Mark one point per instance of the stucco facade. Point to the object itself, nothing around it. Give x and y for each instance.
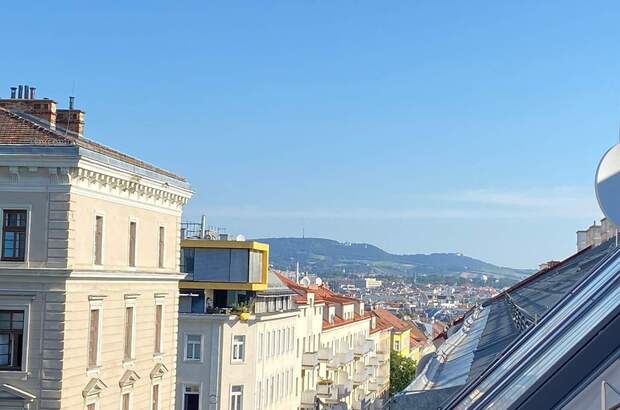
(62, 189)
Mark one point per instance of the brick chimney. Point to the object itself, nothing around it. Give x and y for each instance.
(23, 100)
(71, 119)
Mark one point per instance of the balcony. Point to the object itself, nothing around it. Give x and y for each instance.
(334, 362)
(363, 347)
(373, 386)
(345, 357)
(310, 359)
(325, 354)
(360, 377)
(308, 397)
(344, 389)
(382, 357)
(381, 380)
(327, 391)
(373, 361)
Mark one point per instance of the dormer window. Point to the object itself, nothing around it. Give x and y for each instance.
(14, 235)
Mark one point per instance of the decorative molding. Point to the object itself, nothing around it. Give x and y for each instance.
(94, 388)
(128, 379)
(127, 188)
(158, 371)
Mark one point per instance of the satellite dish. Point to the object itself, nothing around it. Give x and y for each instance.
(318, 281)
(240, 238)
(607, 184)
(305, 282)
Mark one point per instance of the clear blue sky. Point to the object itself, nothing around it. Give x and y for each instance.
(454, 126)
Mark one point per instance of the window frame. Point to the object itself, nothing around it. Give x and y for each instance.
(130, 302)
(183, 392)
(186, 350)
(99, 264)
(159, 350)
(232, 396)
(151, 396)
(3, 231)
(161, 247)
(132, 253)
(16, 207)
(94, 304)
(243, 348)
(130, 400)
(25, 308)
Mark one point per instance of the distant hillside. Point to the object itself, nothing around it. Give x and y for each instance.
(329, 256)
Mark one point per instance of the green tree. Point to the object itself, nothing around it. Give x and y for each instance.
(402, 372)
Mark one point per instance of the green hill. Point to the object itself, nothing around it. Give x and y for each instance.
(325, 256)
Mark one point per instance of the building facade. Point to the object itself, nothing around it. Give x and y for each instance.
(89, 267)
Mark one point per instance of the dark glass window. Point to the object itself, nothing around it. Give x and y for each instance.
(11, 339)
(14, 235)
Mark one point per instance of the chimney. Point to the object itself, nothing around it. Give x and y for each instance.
(44, 109)
(71, 119)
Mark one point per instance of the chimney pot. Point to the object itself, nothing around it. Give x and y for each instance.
(13, 92)
(26, 92)
(32, 92)
(20, 92)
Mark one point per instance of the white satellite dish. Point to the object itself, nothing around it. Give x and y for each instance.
(240, 238)
(318, 281)
(607, 184)
(305, 282)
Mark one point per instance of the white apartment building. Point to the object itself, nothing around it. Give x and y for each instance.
(239, 331)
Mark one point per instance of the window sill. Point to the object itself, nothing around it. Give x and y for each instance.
(158, 357)
(237, 362)
(17, 374)
(93, 371)
(128, 363)
(192, 360)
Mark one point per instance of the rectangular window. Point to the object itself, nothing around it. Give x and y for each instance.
(238, 352)
(129, 325)
(98, 240)
(193, 347)
(278, 342)
(91, 406)
(236, 398)
(260, 346)
(159, 312)
(155, 397)
(161, 249)
(93, 338)
(125, 401)
(191, 397)
(259, 395)
(11, 339)
(132, 244)
(14, 235)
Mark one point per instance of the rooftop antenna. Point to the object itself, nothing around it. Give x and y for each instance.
(297, 272)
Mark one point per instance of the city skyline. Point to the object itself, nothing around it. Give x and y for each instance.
(417, 128)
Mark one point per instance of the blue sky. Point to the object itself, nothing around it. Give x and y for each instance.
(453, 126)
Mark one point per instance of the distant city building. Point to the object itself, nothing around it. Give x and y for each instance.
(370, 283)
(88, 264)
(596, 234)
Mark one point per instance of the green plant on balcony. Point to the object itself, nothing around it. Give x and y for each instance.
(325, 382)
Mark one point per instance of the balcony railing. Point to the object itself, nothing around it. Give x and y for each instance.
(373, 386)
(345, 357)
(363, 347)
(344, 389)
(310, 359)
(381, 380)
(308, 397)
(382, 357)
(325, 354)
(360, 377)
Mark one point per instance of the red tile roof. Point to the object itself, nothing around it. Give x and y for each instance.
(16, 129)
(386, 317)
